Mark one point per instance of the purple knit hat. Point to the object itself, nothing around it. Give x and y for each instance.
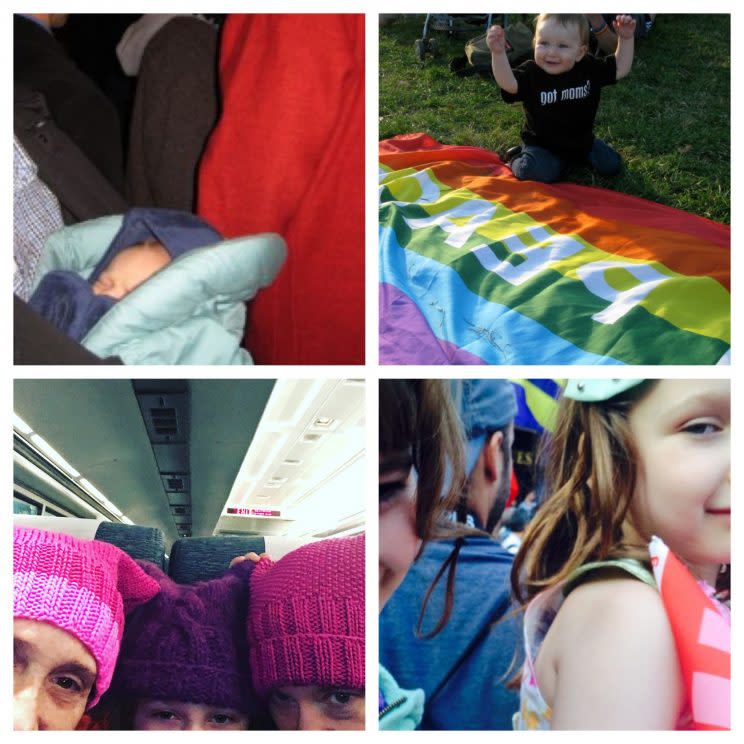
(306, 619)
(188, 643)
(81, 586)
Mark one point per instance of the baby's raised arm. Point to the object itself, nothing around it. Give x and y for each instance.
(502, 71)
(624, 26)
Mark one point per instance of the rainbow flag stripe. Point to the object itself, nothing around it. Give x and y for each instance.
(480, 268)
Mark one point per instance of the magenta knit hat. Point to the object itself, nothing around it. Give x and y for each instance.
(306, 617)
(188, 643)
(81, 586)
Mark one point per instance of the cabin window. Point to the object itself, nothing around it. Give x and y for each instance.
(22, 505)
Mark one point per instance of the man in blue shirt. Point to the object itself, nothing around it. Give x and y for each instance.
(463, 669)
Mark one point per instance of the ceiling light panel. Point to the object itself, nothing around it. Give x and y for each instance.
(291, 399)
(338, 498)
(20, 425)
(309, 429)
(45, 448)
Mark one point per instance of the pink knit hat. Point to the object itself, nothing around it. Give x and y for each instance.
(306, 617)
(81, 586)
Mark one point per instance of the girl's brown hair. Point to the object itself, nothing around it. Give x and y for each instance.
(418, 416)
(591, 472)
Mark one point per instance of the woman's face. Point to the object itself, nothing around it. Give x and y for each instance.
(399, 543)
(173, 715)
(53, 675)
(315, 708)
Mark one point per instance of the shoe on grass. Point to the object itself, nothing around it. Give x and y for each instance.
(512, 153)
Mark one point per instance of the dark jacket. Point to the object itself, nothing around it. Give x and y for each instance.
(77, 106)
(175, 109)
(475, 696)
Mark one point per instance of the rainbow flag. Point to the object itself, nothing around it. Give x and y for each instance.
(480, 268)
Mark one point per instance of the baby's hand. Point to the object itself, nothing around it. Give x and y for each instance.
(624, 26)
(496, 40)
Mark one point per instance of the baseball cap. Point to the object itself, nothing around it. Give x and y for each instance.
(485, 406)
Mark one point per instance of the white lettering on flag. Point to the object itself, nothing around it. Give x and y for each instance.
(479, 211)
(537, 258)
(549, 249)
(429, 190)
(621, 301)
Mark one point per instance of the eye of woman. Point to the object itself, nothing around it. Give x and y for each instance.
(222, 719)
(340, 697)
(389, 491)
(279, 698)
(69, 684)
(397, 475)
(163, 714)
(341, 704)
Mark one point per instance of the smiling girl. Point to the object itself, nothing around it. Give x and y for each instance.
(624, 568)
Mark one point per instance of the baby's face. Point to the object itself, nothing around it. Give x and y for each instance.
(557, 47)
(130, 267)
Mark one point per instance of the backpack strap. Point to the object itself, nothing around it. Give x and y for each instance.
(635, 568)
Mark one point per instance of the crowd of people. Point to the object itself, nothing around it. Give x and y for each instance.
(623, 566)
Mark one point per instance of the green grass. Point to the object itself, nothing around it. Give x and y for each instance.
(669, 119)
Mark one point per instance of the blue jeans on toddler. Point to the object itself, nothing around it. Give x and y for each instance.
(538, 164)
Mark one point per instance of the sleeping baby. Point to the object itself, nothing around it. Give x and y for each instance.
(148, 240)
(155, 286)
(130, 268)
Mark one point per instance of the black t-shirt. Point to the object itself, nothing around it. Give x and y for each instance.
(560, 109)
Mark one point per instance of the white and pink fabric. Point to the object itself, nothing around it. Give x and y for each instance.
(702, 633)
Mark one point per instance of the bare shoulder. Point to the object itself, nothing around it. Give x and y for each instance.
(613, 612)
(613, 599)
(614, 658)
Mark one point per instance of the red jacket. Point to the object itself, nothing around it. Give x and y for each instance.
(287, 156)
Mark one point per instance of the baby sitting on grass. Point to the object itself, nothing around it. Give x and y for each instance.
(560, 92)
